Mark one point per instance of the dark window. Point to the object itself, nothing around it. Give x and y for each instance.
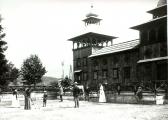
(162, 71)
(127, 72)
(163, 49)
(127, 57)
(162, 34)
(115, 73)
(78, 62)
(95, 63)
(148, 53)
(144, 37)
(152, 36)
(95, 75)
(104, 74)
(85, 76)
(85, 61)
(78, 78)
(115, 59)
(147, 72)
(104, 61)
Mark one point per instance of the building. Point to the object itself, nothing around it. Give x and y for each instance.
(128, 64)
(84, 45)
(153, 55)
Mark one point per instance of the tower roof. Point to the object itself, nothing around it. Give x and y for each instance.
(95, 37)
(161, 3)
(91, 18)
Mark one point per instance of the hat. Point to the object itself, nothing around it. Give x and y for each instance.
(45, 91)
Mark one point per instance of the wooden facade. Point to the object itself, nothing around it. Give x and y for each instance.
(153, 62)
(129, 64)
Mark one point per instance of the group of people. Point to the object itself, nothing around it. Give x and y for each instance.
(15, 100)
(75, 91)
(28, 100)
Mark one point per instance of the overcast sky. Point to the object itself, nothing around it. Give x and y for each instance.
(43, 27)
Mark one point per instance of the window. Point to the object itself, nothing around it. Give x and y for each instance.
(95, 75)
(95, 63)
(163, 50)
(148, 53)
(127, 72)
(85, 76)
(162, 34)
(85, 61)
(144, 37)
(127, 57)
(152, 36)
(78, 62)
(162, 71)
(115, 73)
(115, 59)
(104, 74)
(104, 61)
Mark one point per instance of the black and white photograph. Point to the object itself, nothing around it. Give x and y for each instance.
(83, 60)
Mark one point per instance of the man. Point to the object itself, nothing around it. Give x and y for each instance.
(45, 98)
(139, 94)
(76, 93)
(61, 93)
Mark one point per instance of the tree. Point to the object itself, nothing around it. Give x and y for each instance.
(32, 70)
(66, 83)
(3, 61)
(13, 73)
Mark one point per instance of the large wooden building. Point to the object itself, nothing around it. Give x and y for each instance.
(137, 62)
(84, 45)
(153, 55)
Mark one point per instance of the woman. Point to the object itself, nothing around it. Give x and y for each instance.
(15, 101)
(102, 97)
(27, 99)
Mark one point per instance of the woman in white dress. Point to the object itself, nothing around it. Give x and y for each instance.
(102, 97)
(15, 100)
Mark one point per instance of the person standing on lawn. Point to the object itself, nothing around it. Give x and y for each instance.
(76, 93)
(45, 98)
(61, 92)
(27, 95)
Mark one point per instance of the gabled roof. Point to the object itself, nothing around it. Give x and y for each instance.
(158, 9)
(95, 36)
(116, 48)
(161, 2)
(150, 23)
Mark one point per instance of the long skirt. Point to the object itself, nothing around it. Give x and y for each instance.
(102, 97)
(27, 103)
(15, 102)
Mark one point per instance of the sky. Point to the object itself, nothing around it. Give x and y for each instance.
(43, 27)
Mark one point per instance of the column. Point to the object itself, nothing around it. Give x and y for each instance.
(111, 42)
(73, 45)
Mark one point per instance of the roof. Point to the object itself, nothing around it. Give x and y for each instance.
(158, 9)
(116, 48)
(161, 2)
(85, 38)
(153, 59)
(151, 22)
(92, 20)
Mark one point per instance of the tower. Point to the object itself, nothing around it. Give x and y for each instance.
(84, 45)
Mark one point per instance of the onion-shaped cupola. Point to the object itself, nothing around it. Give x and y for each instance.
(92, 18)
